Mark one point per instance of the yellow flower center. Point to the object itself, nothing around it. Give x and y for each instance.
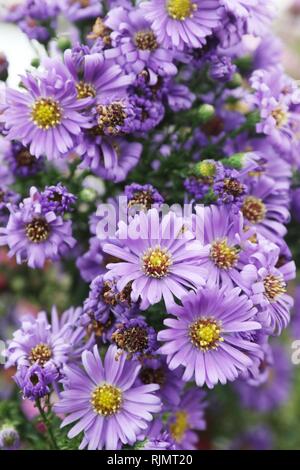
(40, 354)
(146, 41)
(181, 9)
(180, 425)
(106, 400)
(46, 113)
(110, 117)
(280, 116)
(223, 255)
(85, 90)
(274, 286)
(205, 334)
(156, 262)
(37, 231)
(254, 209)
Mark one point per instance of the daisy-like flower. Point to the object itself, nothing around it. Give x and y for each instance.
(143, 196)
(265, 207)
(180, 23)
(135, 46)
(35, 236)
(265, 281)
(21, 162)
(277, 96)
(35, 343)
(227, 244)
(204, 336)
(47, 115)
(160, 258)
(104, 400)
(186, 419)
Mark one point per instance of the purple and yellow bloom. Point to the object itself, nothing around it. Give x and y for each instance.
(160, 258)
(204, 336)
(180, 23)
(103, 398)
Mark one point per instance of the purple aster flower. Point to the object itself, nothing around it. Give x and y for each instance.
(227, 245)
(204, 336)
(265, 280)
(20, 161)
(34, 343)
(9, 438)
(35, 380)
(102, 397)
(179, 23)
(135, 46)
(160, 258)
(57, 199)
(275, 391)
(187, 418)
(265, 207)
(8, 198)
(277, 97)
(36, 236)
(46, 116)
(79, 10)
(142, 196)
(155, 370)
(135, 338)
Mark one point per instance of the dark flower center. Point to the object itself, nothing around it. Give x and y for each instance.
(254, 209)
(223, 255)
(24, 158)
(40, 354)
(141, 198)
(132, 340)
(110, 117)
(205, 334)
(46, 113)
(85, 90)
(106, 400)
(34, 379)
(156, 262)
(37, 231)
(274, 286)
(146, 41)
(152, 376)
(233, 187)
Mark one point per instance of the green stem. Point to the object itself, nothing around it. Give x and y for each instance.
(47, 424)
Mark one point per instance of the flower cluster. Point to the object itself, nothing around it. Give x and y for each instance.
(148, 160)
